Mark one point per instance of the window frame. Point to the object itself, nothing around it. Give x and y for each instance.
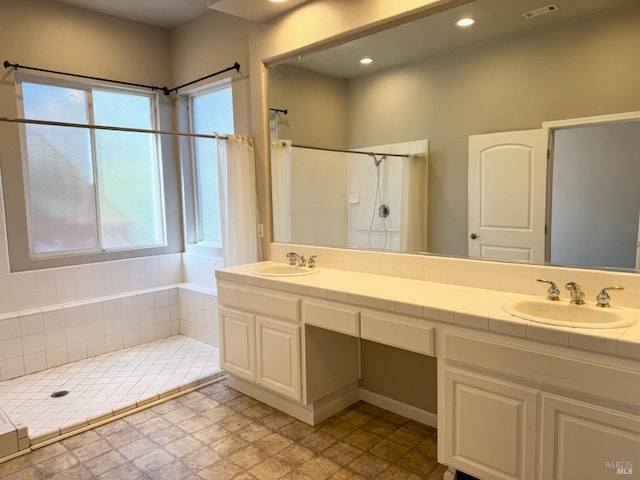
(194, 243)
(22, 256)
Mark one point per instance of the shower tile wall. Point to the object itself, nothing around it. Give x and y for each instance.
(40, 288)
(318, 197)
(34, 340)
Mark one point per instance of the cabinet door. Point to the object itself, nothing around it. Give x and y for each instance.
(278, 356)
(237, 343)
(587, 441)
(489, 426)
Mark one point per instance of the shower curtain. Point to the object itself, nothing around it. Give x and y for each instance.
(281, 153)
(413, 217)
(238, 207)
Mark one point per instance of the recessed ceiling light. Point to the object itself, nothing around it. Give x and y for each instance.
(465, 22)
(366, 61)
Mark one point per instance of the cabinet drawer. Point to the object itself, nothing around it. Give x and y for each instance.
(397, 332)
(548, 368)
(259, 301)
(331, 316)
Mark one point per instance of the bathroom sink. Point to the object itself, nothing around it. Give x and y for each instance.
(566, 314)
(282, 270)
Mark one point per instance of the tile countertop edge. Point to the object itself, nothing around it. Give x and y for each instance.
(467, 307)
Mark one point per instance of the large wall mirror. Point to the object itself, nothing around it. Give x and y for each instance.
(431, 89)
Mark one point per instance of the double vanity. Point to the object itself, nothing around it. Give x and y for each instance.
(527, 388)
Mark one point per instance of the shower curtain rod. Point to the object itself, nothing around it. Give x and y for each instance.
(107, 127)
(371, 154)
(167, 91)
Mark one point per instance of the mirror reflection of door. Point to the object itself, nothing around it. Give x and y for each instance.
(595, 199)
(507, 185)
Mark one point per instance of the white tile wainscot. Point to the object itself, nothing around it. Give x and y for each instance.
(36, 339)
(43, 338)
(516, 399)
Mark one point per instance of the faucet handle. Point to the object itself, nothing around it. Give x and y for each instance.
(603, 298)
(553, 293)
(311, 263)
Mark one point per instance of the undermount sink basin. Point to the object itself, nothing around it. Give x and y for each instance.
(282, 270)
(566, 314)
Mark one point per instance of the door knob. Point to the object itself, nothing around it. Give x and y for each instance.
(473, 236)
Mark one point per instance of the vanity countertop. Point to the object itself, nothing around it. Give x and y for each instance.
(467, 307)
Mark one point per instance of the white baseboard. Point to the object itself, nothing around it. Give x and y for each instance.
(400, 408)
(331, 404)
(311, 414)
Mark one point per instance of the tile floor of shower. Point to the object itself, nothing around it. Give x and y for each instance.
(105, 386)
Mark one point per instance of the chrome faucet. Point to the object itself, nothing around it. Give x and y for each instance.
(577, 295)
(553, 293)
(295, 259)
(603, 299)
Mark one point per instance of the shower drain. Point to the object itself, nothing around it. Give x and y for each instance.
(58, 394)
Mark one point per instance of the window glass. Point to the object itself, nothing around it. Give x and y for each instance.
(128, 182)
(60, 194)
(91, 189)
(211, 112)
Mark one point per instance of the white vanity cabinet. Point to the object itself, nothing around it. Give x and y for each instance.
(260, 338)
(237, 343)
(512, 410)
(278, 356)
(490, 425)
(300, 354)
(581, 440)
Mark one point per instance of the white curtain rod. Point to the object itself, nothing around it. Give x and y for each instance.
(106, 127)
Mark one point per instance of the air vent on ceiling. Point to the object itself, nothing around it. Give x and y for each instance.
(541, 11)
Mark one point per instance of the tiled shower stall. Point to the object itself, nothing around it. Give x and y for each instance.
(53, 317)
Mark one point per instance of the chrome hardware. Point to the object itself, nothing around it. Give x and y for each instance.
(311, 263)
(577, 295)
(295, 259)
(603, 298)
(553, 293)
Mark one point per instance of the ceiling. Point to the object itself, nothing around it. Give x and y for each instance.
(437, 33)
(169, 13)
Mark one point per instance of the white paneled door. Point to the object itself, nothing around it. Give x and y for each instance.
(507, 195)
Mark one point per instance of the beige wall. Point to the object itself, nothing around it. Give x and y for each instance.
(399, 374)
(209, 43)
(577, 69)
(316, 106)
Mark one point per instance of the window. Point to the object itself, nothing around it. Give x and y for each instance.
(90, 190)
(210, 111)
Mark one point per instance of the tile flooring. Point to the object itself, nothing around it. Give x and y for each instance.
(217, 433)
(107, 385)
